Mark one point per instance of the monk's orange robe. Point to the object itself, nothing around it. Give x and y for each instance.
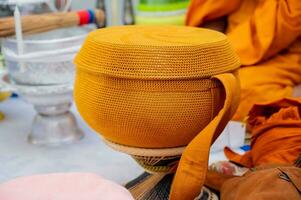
(266, 34)
(276, 134)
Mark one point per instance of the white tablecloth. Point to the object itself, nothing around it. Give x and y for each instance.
(18, 158)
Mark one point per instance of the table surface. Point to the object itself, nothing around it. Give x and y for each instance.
(19, 158)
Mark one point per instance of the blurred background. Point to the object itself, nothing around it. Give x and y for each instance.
(117, 11)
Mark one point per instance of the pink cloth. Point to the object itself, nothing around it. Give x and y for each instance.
(63, 186)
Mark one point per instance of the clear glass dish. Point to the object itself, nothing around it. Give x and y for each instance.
(48, 57)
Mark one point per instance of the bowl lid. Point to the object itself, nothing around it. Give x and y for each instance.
(157, 52)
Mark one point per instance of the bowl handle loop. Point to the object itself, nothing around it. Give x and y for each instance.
(191, 172)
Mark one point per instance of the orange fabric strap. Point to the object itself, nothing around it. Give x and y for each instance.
(191, 173)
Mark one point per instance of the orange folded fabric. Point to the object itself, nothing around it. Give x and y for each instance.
(276, 134)
(276, 183)
(266, 36)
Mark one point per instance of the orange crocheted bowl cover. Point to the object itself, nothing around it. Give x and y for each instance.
(151, 86)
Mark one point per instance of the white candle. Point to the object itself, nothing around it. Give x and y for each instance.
(115, 12)
(19, 35)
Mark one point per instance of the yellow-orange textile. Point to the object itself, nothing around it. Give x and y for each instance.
(191, 172)
(276, 134)
(149, 86)
(266, 36)
(159, 87)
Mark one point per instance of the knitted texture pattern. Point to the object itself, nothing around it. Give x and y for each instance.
(151, 86)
